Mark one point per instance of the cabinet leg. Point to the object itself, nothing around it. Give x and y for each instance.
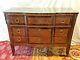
(13, 49)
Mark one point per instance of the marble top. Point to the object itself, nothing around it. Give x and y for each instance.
(41, 10)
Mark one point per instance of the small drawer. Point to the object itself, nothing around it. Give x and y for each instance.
(62, 20)
(20, 39)
(16, 19)
(61, 31)
(39, 40)
(39, 20)
(60, 39)
(39, 32)
(18, 31)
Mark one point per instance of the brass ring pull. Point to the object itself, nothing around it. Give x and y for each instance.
(19, 39)
(17, 21)
(18, 30)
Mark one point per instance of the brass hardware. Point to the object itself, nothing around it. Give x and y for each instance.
(17, 21)
(19, 39)
(18, 30)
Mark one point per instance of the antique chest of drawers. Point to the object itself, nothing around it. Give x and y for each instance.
(36, 27)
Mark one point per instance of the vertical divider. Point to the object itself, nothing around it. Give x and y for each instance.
(52, 30)
(26, 27)
(54, 26)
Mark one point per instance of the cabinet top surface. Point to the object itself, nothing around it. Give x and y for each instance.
(42, 10)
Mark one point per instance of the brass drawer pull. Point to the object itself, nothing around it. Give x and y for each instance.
(17, 21)
(19, 39)
(18, 30)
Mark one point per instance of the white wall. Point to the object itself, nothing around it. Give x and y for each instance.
(6, 4)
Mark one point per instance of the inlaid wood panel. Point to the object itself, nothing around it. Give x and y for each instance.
(34, 32)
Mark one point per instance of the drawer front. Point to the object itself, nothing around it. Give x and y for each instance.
(18, 31)
(33, 32)
(62, 20)
(61, 31)
(20, 40)
(39, 20)
(60, 39)
(16, 19)
(39, 40)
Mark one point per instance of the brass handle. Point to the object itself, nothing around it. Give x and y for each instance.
(18, 30)
(17, 20)
(19, 39)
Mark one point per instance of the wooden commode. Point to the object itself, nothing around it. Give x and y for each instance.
(41, 27)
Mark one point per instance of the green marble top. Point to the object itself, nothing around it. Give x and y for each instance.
(42, 10)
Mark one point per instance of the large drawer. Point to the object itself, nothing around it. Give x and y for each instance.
(34, 32)
(39, 20)
(16, 19)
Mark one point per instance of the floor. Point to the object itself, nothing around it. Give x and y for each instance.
(6, 53)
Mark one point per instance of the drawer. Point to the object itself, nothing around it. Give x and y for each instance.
(20, 39)
(18, 31)
(39, 32)
(60, 39)
(39, 40)
(61, 31)
(39, 20)
(16, 19)
(62, 20)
